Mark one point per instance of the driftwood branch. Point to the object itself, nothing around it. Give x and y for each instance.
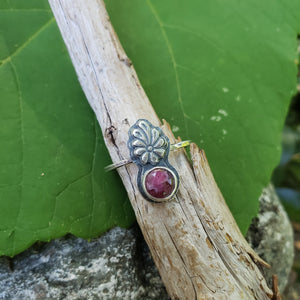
(194, 240)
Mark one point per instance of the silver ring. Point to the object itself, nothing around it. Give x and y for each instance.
(125, 162)
(149, 148)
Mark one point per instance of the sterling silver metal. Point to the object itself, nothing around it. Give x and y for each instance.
(149, 148)
(125, 162)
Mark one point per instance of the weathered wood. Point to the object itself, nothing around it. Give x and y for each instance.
(194, 240)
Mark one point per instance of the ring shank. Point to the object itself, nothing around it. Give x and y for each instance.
(119, 164)
(125, 162)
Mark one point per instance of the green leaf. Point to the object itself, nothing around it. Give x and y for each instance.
(52, 153)
(222, 73)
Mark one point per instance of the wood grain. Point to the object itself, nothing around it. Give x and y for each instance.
(194, 240)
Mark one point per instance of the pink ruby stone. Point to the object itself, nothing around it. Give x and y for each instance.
(160, 183)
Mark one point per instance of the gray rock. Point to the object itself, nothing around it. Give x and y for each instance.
(116, 266)
(271, 236)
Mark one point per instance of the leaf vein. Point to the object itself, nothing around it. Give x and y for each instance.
(172, 56)
(21, 112)
(30, 39)
(92, 177)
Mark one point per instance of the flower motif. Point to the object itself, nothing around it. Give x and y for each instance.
(148, 144)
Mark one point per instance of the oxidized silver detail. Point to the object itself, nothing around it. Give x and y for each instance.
(148, 144)
(149, 149)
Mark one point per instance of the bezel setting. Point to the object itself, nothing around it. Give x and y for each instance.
(155, 199)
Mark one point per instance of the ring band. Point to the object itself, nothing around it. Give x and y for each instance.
(149, 148)
(125, 162)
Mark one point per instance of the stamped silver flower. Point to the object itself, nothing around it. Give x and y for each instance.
(148, 143)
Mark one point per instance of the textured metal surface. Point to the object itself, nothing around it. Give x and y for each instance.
(149, 147)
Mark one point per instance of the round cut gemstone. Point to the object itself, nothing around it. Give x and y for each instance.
(160, 183)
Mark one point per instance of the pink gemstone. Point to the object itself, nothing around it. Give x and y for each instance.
(160, 183)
